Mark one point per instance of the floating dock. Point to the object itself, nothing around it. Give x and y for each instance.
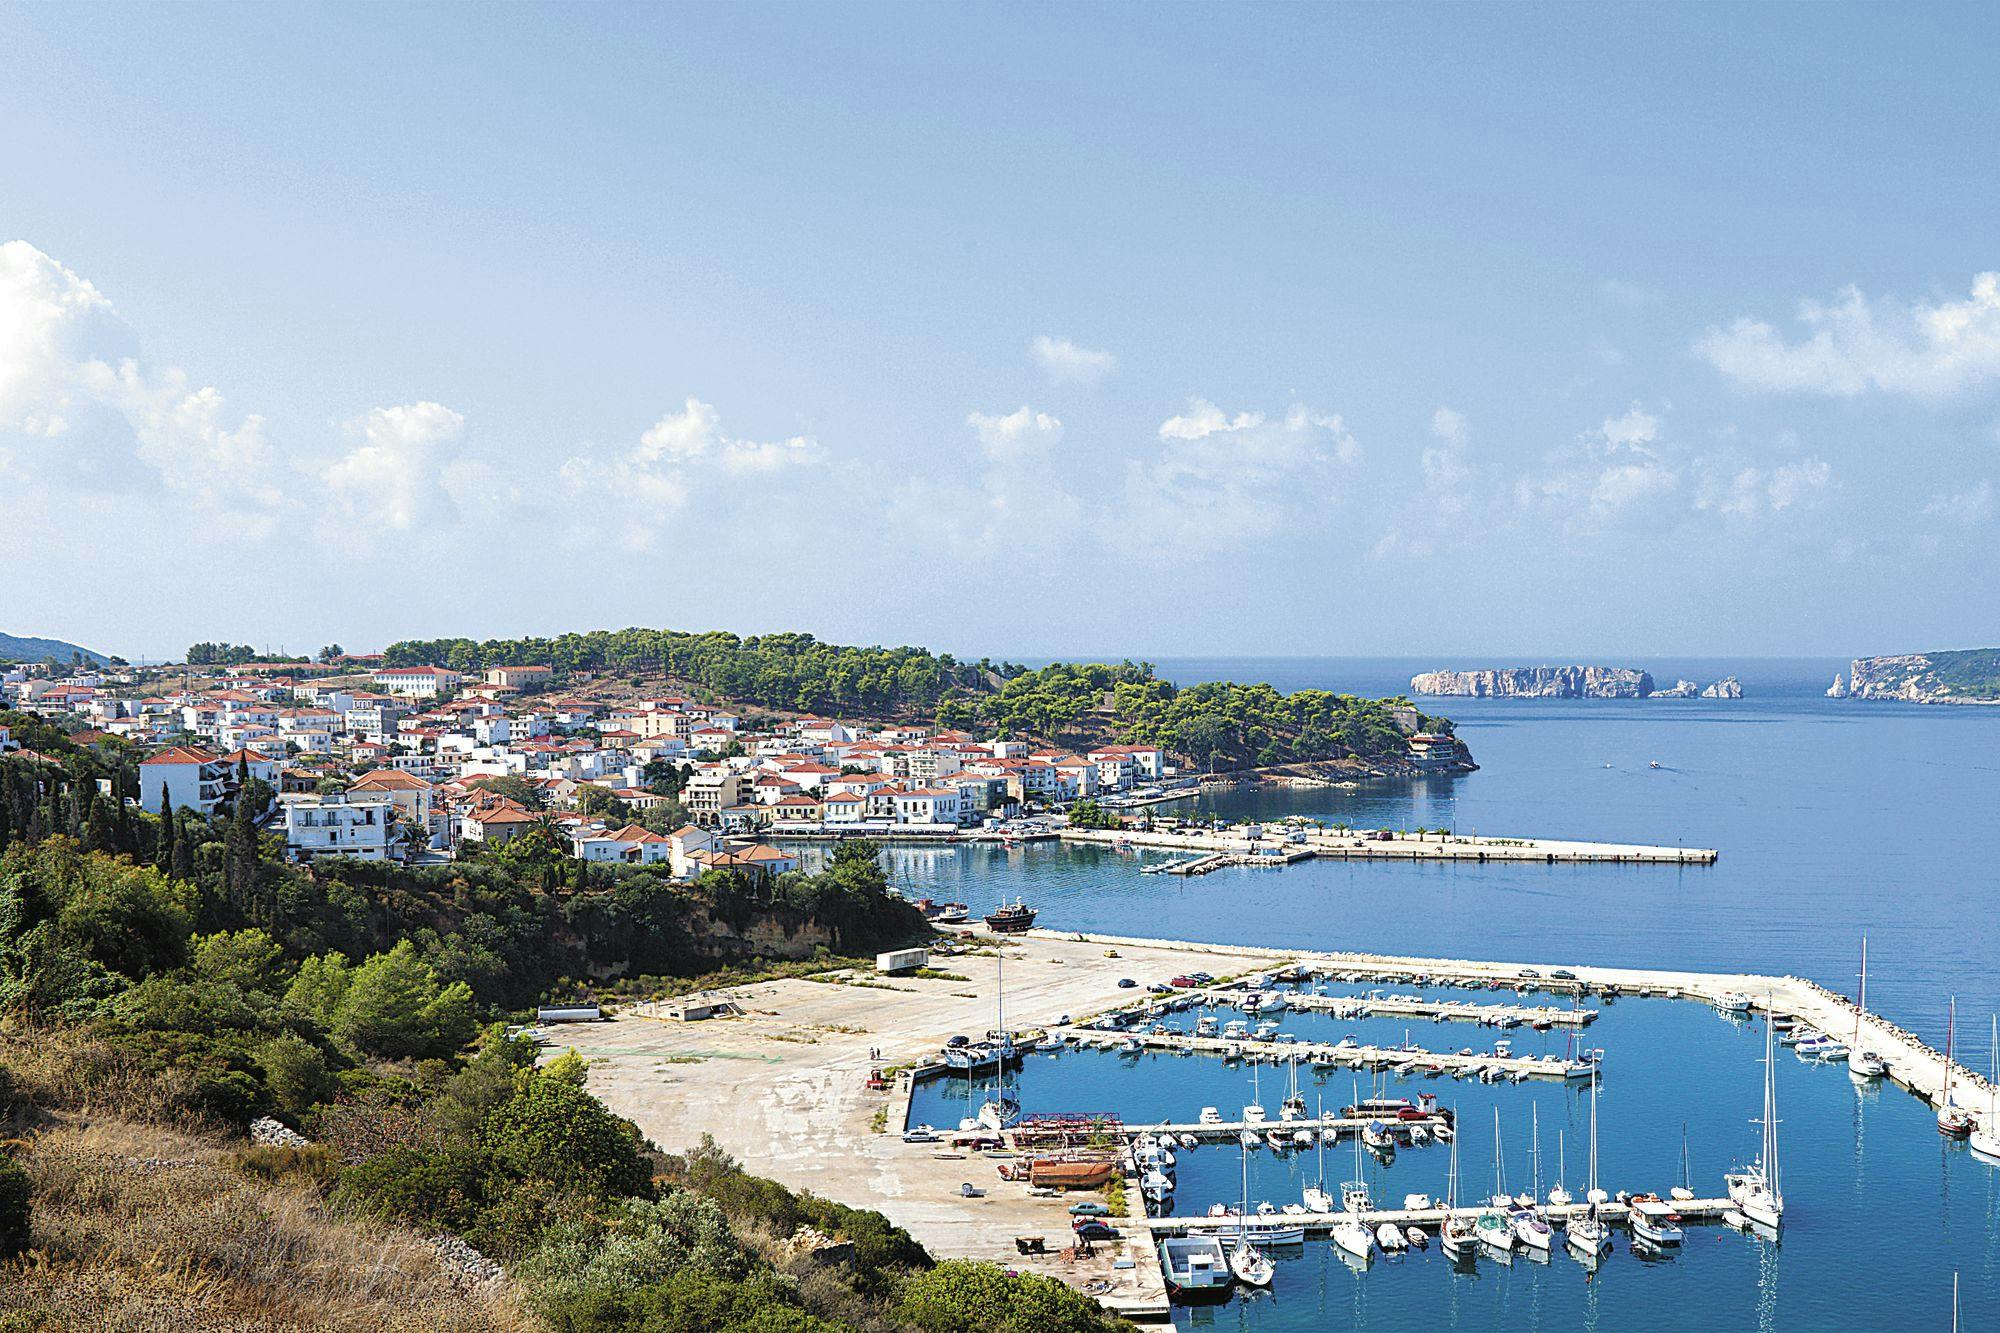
(1324, 1055)
(1689, 1210)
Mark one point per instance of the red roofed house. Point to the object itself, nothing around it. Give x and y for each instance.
(421, 682)
(192, 778)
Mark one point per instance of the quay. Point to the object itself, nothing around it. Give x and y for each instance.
(1325, 1055)
(1385, 845)
(783, 1084)
(1037, 1136)
(1441, 1011)
(1614, 1210)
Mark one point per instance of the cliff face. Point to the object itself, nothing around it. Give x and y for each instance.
(1564, 682)
(1970, 676)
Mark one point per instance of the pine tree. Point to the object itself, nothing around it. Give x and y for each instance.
(182, 864)
(582, 876)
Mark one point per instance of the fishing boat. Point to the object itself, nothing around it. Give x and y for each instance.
(1014, 918)
(1862, 1063)
(1587, 1235)
(1654, 1222)
(1376, 1136)
(1985, 1139)
(947, 914)
(1196, 1267)
(1755, 1189)
(1953, 1120)
(1418, 1240)
(1459, 1237)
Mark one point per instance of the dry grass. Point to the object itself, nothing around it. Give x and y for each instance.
(142, 1228)
(75, 1071)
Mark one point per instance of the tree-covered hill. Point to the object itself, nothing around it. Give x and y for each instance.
(1210, 726)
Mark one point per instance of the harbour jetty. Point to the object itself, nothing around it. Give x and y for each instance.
(1280, 844)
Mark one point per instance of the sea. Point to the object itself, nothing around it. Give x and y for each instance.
(1833, 820)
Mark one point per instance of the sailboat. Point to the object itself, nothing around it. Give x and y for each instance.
(1953, 1121)
(1317, 1200)
(1755, 1189)
(1985, 1142)
(1862, 1063)
(1684, 1191)
(1557, 1194)
(1348, 1233)
(1493, 1225)
(1246, 1261)
(1253, 1114)
(1459, 1237)
(1294, 1107)
(1000, 1111)
(1529, 1227)
(1588, 1235)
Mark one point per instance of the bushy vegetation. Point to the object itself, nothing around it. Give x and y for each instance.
(794, 671)
(164, 980)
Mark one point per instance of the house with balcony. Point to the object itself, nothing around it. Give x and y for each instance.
(191, 777)
(341, 824)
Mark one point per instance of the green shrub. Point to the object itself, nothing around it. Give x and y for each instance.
(961, 1296)
(295, 1071)
(552, 1130)
(445, 1190)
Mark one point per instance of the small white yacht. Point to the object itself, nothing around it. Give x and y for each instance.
(1389, 1238)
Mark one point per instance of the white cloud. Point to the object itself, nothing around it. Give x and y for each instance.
(1741, 490)
(1853, 345)
(1019, 433)
(1066, 363)
(1968, 507)
(1448, 425)
(682, 457)
(79, 409)
(1221, 479)
(395, 479)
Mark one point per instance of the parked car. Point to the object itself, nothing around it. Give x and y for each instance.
(1089, 1208)
(1126, 983)
(1092, 1228)
(1563, 974)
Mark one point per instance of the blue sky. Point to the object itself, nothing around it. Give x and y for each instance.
(1543, 331)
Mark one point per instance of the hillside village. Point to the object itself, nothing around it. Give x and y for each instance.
(424, 763)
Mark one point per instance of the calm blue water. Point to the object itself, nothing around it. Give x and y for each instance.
(1832, 819)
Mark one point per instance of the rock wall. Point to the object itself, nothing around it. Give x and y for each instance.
(1965, 676)
(1563, 682)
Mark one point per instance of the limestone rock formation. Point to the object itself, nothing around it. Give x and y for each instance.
(1727, 688)
(1544, 682)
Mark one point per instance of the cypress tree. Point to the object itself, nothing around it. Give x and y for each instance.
(163, 851)
(182, 864)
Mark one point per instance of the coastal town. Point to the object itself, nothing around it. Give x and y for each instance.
(420, 764)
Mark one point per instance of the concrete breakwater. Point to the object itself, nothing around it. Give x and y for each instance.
(1281, 843)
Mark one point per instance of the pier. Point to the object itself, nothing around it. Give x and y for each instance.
(1615, 1210)
(1325, 1055)
(1281, 844)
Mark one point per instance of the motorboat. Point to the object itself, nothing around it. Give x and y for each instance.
(1248, 1138)
(1189, 1142)
(1733, 1002)
(1249, 1265)
(1355, 1239)
(1654, 1222)
(1417, 1237)
(1209, 1116)
(1196, 1266)
(1418, 1203)
(1276, 1141)
(1389, 1238)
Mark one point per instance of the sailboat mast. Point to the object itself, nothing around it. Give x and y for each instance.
(1770, 1109)
(1950, 1024)
(1862, 1007)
